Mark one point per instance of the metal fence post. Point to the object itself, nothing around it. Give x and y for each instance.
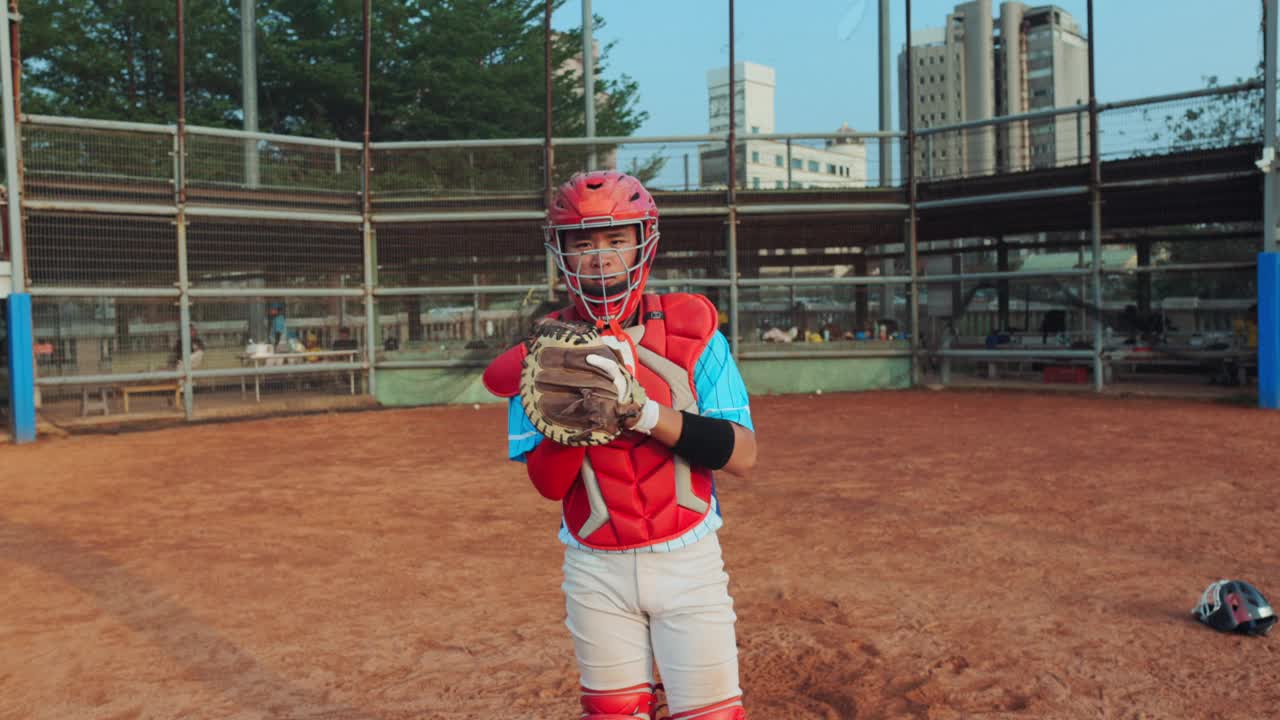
(184, 314)
(13, 179)
(1079, 138)
(731, 249)
(184, 280)
(1269, 126)
(732, 238)
(588, 80)
(912, 236)
(249, 88)
(1095, 212)
(548, 150)
(180, 181)
(372, 329)
(788, 163)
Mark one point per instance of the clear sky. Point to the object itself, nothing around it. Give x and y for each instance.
(825, 51)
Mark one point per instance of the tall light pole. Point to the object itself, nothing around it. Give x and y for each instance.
(1269, 125)
(249, 87)
(886, 106)
(589, 78)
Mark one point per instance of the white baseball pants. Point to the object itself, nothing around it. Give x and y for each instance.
(626, 610)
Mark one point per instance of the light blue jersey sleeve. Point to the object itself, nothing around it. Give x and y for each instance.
(522, 437)
(721, 391)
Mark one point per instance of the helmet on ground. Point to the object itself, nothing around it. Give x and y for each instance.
(604, 199)
(1235, 606)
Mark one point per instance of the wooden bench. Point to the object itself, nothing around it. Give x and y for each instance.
(171, 387)
(1224, 364)
(90, 404)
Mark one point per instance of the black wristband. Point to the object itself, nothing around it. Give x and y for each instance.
(705, 442)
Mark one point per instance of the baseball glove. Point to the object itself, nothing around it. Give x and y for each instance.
(576, 389)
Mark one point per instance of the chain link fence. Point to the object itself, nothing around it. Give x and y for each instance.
(1015, 146)
(89, 164)
(471, 176)
(274, 253)
(448, 254)
(92, 344)
(823, 285)
(278, 287)
(233, 169)
(101, 250)
(1228, 119)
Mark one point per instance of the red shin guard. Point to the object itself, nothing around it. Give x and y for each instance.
(730, 709)
(637, 701)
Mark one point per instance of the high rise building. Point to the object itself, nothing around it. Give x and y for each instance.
(977, 67)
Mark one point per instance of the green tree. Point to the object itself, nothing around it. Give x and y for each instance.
(1217, 121)
(442, 69)
(118, 61)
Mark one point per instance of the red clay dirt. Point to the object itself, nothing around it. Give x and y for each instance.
(896, 555)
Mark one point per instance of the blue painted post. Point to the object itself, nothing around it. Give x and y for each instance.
(1269, 330)
(22, 377)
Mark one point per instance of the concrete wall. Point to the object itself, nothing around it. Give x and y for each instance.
(439, 386)
(432, 386)
(783, 377)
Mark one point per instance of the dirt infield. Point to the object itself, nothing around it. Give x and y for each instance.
(896, 555)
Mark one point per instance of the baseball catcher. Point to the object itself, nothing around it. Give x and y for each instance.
(622, 406)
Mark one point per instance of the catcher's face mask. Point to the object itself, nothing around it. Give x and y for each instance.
(605, 288)
(604, 265)
(1235, 606)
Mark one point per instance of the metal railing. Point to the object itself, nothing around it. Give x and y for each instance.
(267, 220)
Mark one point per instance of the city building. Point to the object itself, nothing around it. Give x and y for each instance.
(979, 66)
(765, 164)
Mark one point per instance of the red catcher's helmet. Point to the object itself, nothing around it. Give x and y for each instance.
(602, 199)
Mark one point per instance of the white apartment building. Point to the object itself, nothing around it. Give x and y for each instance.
(772, 164)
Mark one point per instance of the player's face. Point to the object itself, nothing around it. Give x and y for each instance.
(601, 256)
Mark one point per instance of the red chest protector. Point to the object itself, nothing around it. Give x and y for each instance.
(634, 491)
